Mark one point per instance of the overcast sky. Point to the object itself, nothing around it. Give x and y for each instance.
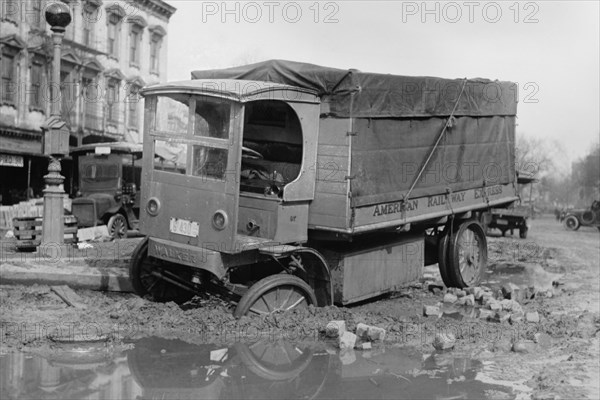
(550, 48)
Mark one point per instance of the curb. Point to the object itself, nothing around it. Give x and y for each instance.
(102, 275)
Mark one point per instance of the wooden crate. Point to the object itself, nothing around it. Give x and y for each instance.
(28, 231)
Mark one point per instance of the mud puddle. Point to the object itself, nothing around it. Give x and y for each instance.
(161, 368)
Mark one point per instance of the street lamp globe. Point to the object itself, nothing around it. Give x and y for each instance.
(58, 15)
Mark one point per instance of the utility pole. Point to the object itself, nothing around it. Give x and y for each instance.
(55, 133)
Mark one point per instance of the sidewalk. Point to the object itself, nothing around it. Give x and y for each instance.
(102, 267)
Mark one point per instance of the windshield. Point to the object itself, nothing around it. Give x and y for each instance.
(194, 128)
(99, 174)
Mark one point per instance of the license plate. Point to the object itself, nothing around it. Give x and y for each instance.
(184, 227)
(501, 222)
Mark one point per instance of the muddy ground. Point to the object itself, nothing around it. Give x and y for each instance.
(557, 357)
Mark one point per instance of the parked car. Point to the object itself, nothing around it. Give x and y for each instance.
(575, 218)
(109, 181)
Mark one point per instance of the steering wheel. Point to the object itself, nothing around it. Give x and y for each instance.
(252, 154)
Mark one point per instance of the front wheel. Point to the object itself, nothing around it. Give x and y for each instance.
(156, 278)
(117, 226)
(467, 254)
(280, 292)
(571, 223)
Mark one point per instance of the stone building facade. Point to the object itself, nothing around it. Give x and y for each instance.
(110, 50)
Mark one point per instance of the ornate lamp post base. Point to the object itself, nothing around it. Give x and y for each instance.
(52, 223)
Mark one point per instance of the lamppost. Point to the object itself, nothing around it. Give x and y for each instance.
(55, 133)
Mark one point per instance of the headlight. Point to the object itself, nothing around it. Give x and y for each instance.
(219, 220)
(153, 206)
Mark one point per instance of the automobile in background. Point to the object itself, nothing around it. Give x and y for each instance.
(109, 180)
(575, 218)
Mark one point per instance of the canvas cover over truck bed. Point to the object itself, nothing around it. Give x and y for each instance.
(396, 120)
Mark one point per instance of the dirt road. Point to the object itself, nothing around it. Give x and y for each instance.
(557, 357)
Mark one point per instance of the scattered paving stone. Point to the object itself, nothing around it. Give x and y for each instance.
(470, 289)
(335, 328)
(495, 306)
(470, 300)
(510, 305)
(478, 293)
(485, 314)
(460, 293)
(532, 317)
(508, 289)
(450, 298)
(376, 333)
(361, 330)
(429, 311)
(524, 346)
(366, 346)
(501, 316)
(516, 317)
(444, 341)
(347, 340)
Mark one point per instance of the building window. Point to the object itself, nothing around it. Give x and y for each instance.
(112, 98)
(135, 38)
(155, 45)
(10, 10)
(114, 22)
(34, 14)
(37, 73)
(91, 117)
(133, 101)
(90, 16)
(9, 91)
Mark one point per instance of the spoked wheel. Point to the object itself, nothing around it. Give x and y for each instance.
(281, 292)
(274, 361)
(467, 254)
(571, 223)
(161, 280)
(117, 226)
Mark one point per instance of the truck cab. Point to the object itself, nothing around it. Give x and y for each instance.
(230, 169)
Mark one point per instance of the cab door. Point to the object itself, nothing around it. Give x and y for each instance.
(193, 177)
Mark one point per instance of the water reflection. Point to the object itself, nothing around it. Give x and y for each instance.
(170, 369)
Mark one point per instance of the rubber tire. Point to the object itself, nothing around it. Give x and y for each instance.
(523, 233)
(443, 259)
(453, 254)
(270, 282)
(588, 217)
(571, 223)
(135, 269)
(112, 220)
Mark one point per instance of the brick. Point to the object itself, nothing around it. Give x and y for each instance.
(444, 341)
(450, 298)
(376, 333)
(361, 330)
(347, 357)
(470, 300)
(532, 317)
(485, 314)
(335, 328)
(347, 340)
(429, 311)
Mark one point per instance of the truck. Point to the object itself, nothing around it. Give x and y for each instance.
(108, 176)
(293, 184)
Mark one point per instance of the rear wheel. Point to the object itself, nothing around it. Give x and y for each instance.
(523, 232)
(117, 226)
(160, 280)
(281, 292)
(443, 258)
(571, 223)
(467, 254)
